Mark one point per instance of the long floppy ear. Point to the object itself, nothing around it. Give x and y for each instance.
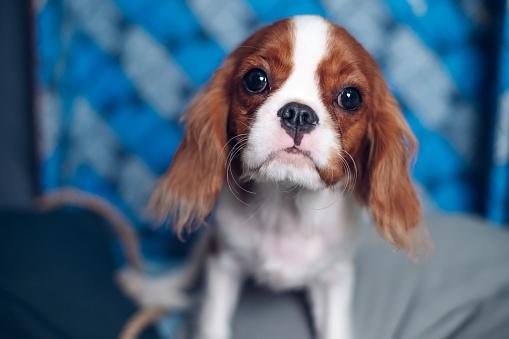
(390, 194)
(188, 190)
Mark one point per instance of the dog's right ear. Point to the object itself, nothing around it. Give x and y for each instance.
(188, 190)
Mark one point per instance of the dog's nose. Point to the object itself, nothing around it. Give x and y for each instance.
(297, 120)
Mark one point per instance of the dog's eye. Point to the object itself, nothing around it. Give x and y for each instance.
(350, 99)
(255, 81)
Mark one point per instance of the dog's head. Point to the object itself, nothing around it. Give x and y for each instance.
(299, 102)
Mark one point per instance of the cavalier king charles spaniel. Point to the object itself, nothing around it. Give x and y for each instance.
(293, 136)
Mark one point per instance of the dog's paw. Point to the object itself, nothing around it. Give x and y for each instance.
(164, 291)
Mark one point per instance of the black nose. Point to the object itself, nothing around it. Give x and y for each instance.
(297, 120)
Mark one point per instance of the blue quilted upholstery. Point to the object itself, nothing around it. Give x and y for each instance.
(114, 76)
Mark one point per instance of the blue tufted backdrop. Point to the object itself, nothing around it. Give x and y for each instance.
(114, 75)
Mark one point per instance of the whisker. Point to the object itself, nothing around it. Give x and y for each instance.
(230, 160)
(228, 170)
(346, 167)
(233, 138)
(243, 123)
(354, 167)
(344, 164)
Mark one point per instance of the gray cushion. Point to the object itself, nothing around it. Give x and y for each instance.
(460, 291)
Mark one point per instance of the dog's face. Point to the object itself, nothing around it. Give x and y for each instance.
(299, 102)
(301, 99)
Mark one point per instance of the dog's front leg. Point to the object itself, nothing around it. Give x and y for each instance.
(222, 287)
(331, 301)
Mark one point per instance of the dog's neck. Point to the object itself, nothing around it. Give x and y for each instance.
(277, 204)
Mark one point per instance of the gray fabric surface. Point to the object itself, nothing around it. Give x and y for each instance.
(460, 291)
(262, 314)
(450, 294)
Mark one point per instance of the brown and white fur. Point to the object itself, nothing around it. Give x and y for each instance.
(287, 207)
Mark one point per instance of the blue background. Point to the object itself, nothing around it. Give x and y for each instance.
(114, 75)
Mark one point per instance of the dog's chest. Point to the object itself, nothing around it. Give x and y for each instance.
(283, 244)
(285, 259)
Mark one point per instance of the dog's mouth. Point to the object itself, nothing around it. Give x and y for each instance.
(293, 156)
(291, 165)
(296, 150)
(290, 157)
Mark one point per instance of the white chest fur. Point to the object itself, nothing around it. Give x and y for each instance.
(288, 239)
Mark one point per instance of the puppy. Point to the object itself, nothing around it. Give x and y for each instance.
(292, 137)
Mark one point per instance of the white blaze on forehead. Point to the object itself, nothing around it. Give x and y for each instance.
(309, 48)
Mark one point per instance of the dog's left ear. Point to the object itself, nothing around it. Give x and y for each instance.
(388, 188)
(188, 191)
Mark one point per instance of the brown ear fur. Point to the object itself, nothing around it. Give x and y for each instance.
(189, 189)
(390, 194)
